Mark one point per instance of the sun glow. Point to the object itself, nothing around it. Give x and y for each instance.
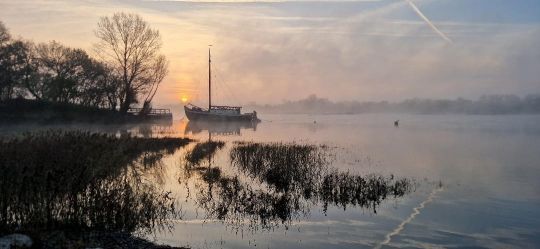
(184, 99)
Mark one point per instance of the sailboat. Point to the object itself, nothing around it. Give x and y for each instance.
(215, 112)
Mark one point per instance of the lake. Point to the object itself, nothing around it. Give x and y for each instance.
(472, 181)
(489, 167)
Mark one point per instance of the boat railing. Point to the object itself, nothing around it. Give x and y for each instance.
(195, 108)
(152, 112)
(224, 107)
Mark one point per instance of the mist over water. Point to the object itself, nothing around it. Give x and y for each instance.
(443, 180)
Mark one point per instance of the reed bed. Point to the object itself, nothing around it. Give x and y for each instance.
(82, 181)
(203, 151)
(305, 170)
(283, 166)
(290, 178)
(236, 202)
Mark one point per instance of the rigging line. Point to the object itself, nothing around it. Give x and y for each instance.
(232, 95)
(227, 87)
(220, 93)
(224, 83)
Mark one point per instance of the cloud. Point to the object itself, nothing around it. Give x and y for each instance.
(269, 52)
(431, 25)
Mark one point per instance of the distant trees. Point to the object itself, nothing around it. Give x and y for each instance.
(130, 69)
(131, 47)
(13, 66)
(487, 104)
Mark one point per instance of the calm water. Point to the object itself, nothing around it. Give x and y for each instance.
(488, 167)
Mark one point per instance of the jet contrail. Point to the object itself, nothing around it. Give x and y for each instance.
(440, 33)
(415, 212)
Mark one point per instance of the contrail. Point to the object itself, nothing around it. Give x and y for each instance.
(440, 33)
(415, 212)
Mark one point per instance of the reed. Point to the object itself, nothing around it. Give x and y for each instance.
(291, 179)
(203, 151)
(283, 166)
(82, 181)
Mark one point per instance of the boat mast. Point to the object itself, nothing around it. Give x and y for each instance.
(209, 81)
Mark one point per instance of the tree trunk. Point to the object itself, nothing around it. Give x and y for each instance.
(124, 106)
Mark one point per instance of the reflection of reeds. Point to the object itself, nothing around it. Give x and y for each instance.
(283, 166)
(81, 180)
(344, 188)
(293, 176)
(203, 151)
(229, 199)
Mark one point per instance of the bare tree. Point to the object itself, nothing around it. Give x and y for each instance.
(4, 34)
(159, 72)
(131, 47)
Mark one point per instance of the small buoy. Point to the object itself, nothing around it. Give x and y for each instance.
(314, 121)
(396, 123)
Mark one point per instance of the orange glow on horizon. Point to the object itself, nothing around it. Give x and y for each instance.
(184, 99)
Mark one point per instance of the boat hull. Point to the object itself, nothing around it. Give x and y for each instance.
(197, 115)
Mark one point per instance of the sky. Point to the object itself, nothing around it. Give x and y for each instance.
(271, 51)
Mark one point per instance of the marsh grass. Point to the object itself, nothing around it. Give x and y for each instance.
(303, 170)
(229, 199)
(285, 167)
(289, 179)
(82, 181)
(203, 151)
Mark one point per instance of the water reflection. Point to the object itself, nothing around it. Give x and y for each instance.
(202, 151)
(280, 183)
(218, 128)
(488, 165)
(83, 181)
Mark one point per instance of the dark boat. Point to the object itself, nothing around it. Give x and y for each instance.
(217, 113)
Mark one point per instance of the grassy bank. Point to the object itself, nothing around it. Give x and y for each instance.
(81, 181)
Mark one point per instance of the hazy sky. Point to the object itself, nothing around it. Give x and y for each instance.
(343, 50)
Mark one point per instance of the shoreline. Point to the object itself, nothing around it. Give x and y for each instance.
(18, 111)
(83, 239)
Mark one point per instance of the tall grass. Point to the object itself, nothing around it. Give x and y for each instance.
(82, 181)
(283, 166)
(303, 169)
(203, 151)
(290, 178)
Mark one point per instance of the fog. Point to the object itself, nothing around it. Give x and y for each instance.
(270, 52)
(486, 104)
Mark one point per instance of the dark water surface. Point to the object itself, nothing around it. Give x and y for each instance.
(434, 181)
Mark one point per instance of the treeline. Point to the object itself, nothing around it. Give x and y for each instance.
(487, 104)
(126, 70)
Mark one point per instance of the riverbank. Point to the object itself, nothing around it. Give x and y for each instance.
(43, 112)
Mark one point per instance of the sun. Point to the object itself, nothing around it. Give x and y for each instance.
(184, 99)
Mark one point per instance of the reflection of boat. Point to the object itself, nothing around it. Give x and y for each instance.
(217, 113)
(219, 128)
